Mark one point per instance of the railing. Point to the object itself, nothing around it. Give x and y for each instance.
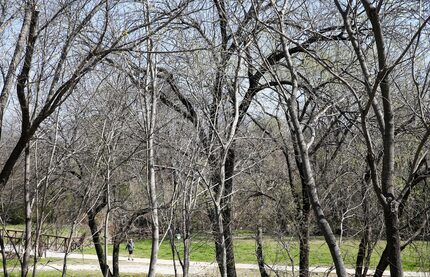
(13, 239)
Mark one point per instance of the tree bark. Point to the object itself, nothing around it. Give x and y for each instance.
(3, 254)
(115, 258)
(95, 234)
(172, 248)
(303, 213)
(13, 65)
(106, 223)
(227, 213)
(304, 238)
(365, 238)
(151, 113)
(318, 210)
(360, 256)
(186, 230)
(391, 206)
(302, 203)
(382, 264)
(259, 246)
(393, 241)
(218, 233)
(27, 205)
(154, 215)
(304, 155)
(186, 264)
(221, 217)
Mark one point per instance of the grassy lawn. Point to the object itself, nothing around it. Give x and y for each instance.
(71, 273)
(416, 257)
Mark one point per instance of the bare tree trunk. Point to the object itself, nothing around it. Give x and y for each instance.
(115, 257)
(259, 244)
(221, 251)
(291, 98)
(391, 206)
(362, 248)
(186, 264)
(22, 83)
(172, 248)
(384, 261)
(393, 242)
(154, 206)
(95, 234)
(370, 247)
(382, 264)
(314, 199)
(3, 254)
(259, 250)
(38, 216)
(303, 206)
(27, 205)
(68, 247)
(186, 230)
(151, 112)
(106, 225)
(227, 213)
(304, 235)
(365, 244)
(16, 58)
(220, 215)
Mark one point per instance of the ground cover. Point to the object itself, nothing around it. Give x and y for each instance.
(415, 257)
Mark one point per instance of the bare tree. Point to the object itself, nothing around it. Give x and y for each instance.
(384, 184)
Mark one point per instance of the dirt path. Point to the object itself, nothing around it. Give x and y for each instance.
(165, 267)
(138, 265)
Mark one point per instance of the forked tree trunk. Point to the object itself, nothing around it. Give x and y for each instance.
(303, 206)
(173, 249)
(390, 206)
(364, 248)
(385, 259)
(393, 241)
(318, 210)
(304, 155)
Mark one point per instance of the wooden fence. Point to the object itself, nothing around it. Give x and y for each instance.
(13, 240)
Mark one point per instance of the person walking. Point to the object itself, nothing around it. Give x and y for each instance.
(130, 248)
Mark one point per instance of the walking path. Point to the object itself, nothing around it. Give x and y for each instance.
(165, 267)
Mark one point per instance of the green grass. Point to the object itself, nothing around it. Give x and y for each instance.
(415, 257)
(71, 273)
